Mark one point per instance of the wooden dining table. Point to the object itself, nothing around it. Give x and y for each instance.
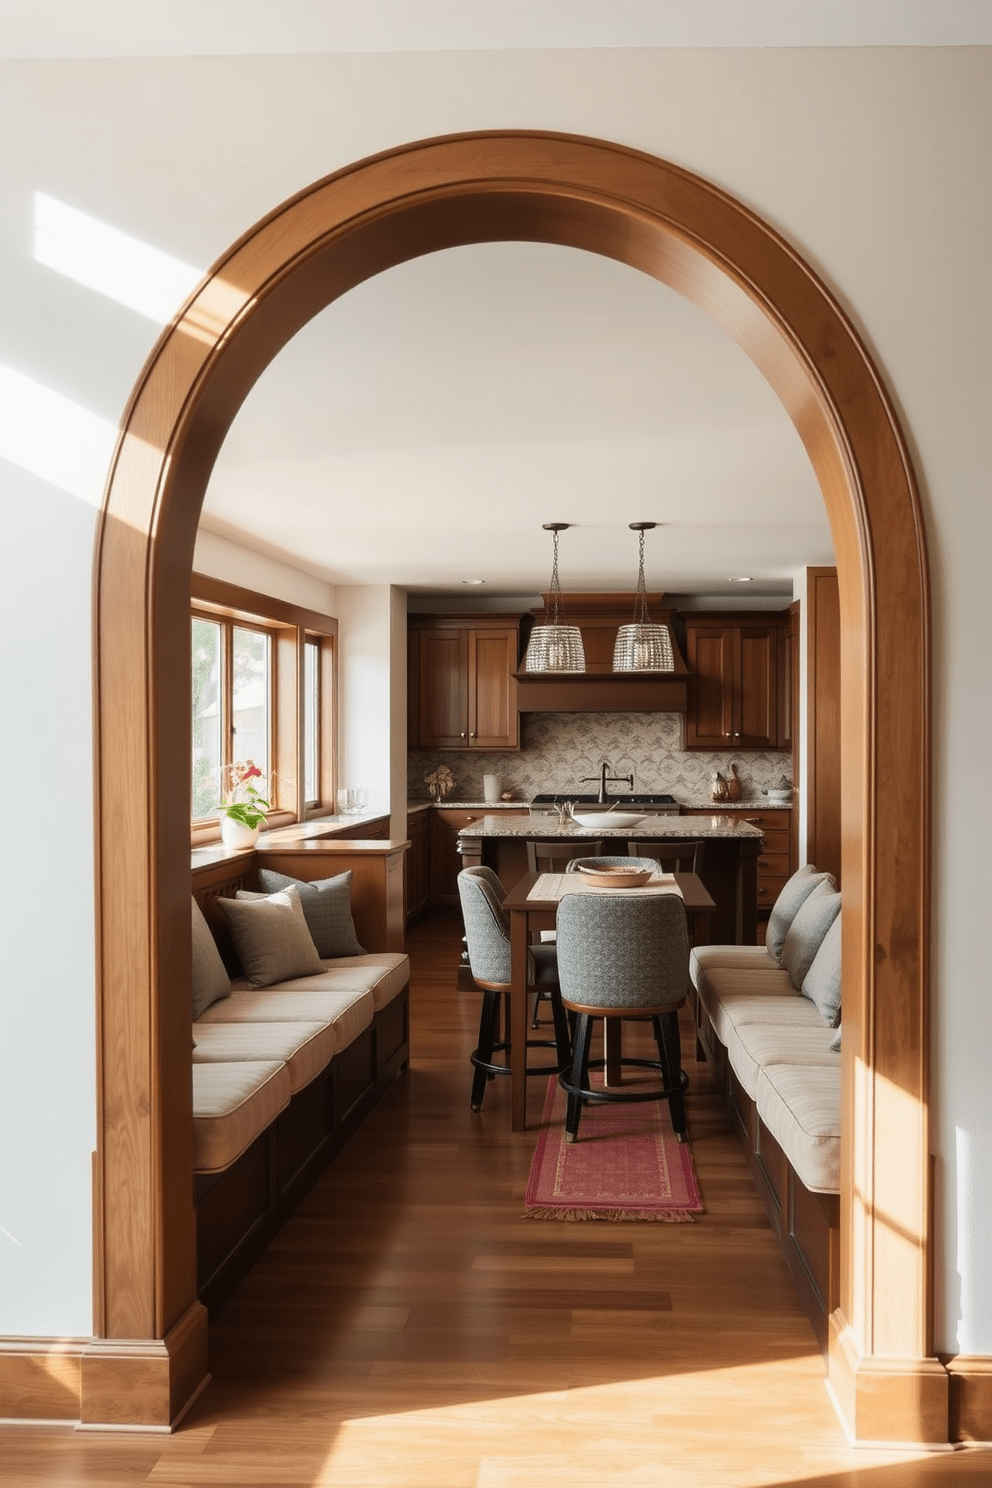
(528, 915)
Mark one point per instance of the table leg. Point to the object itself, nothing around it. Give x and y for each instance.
(519, 932)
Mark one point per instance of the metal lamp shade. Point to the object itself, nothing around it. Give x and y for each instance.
(555, 648)
(643, 648)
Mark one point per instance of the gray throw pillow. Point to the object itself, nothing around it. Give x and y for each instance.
(792, 896)
(271, 937)
(210, 979)
(327, 907)
(835, 1041)
(813, 919)
(822, 982)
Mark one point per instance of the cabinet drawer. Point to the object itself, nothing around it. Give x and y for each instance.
(773, 865)
(771, 821)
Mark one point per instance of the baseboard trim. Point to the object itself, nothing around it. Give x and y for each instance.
(145, 1382)
(891, 1401)
(40, 1379)
(970, 1377)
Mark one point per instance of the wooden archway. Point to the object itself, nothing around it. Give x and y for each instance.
(150, 1354)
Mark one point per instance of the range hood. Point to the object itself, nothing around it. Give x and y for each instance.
(599, 689)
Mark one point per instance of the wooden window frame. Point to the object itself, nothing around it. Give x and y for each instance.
(289, 626)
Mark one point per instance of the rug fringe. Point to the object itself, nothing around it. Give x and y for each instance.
(576, 1216)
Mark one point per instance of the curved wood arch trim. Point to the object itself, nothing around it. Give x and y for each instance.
(660, 219)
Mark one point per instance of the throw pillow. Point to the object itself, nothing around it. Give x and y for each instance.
(835, 1041)
(813, 919)
(792, 896)
(271, 937)
(327, 907)
(822, 982)
(210, 979)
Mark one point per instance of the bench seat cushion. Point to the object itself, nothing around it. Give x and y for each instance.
(233, 1103)
(304, 1048)
(383, 973)
(348, 1014)
(724, 994)
(729, 957)
(753, 1046)
(800, 1106)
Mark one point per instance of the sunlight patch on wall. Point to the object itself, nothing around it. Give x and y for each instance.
(109, 261)
(53, 437)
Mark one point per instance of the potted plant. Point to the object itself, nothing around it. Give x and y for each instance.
(242, 811)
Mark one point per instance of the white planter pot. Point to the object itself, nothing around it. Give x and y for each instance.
(236, 834)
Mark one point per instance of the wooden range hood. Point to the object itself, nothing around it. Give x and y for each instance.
(599, 689)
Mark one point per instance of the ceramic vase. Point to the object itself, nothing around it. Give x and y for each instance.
(235, 834)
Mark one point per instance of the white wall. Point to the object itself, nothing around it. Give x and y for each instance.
(220, 558)
(874, 163)
(370, 721)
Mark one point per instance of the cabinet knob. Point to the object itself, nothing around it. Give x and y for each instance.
(461, 735)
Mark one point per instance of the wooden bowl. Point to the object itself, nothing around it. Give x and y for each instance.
(617, 878)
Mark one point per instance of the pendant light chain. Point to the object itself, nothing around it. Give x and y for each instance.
(641, 602)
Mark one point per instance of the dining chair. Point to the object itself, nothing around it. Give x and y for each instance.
(624, 955)
(487, 933)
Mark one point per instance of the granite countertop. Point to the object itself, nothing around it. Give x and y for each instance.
(469, 805)
(653, 828)
(751, 803)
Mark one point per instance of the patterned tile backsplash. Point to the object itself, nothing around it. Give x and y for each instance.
(560, 748)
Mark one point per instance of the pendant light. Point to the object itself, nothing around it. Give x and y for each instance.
(643, 647)
(555, 647)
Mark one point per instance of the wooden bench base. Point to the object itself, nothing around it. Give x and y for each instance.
(240, 1210)
(806, 1224)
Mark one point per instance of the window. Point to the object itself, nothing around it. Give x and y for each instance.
(263, 681)
(311, 721)
(231, 707)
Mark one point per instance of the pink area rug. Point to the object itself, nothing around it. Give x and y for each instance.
(627, 1164)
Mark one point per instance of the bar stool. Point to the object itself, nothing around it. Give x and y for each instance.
(624, 956)
(487, 932)
(553, 857)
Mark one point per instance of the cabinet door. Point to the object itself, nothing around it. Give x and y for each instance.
(442, 688)
(711, 656)
(756, 704)
(493, 719)
(445, 859)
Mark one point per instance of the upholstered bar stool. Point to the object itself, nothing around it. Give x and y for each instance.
(624, 955)
(487, 932)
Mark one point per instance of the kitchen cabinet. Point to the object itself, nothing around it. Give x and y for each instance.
(445, 859)
(462, 691)
(738, 692)
(777, 858)
(376, 830)
(416, 864)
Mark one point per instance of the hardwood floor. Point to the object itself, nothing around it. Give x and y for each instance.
(410, 1328)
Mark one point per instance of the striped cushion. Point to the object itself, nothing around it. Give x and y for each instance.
(348, 1013)
(800, 1106)
(304, 1048)
(751, 1047)
(388, 973)
(233, 1103)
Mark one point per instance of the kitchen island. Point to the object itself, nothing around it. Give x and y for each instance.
(729, 868)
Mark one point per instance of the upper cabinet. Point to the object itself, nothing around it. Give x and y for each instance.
(741, 676)
(462, 691)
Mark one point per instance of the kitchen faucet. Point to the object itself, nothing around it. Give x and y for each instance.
(611, 779)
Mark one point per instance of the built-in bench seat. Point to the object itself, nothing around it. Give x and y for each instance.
(768, 1020)
(283, 1072)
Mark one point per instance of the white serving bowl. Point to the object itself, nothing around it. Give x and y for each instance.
(612, 819)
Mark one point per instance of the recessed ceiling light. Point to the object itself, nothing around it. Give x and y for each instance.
(744, 579)
(473, 581)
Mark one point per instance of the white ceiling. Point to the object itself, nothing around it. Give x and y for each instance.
(468, 397)
(423, 428)
(121, 28)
